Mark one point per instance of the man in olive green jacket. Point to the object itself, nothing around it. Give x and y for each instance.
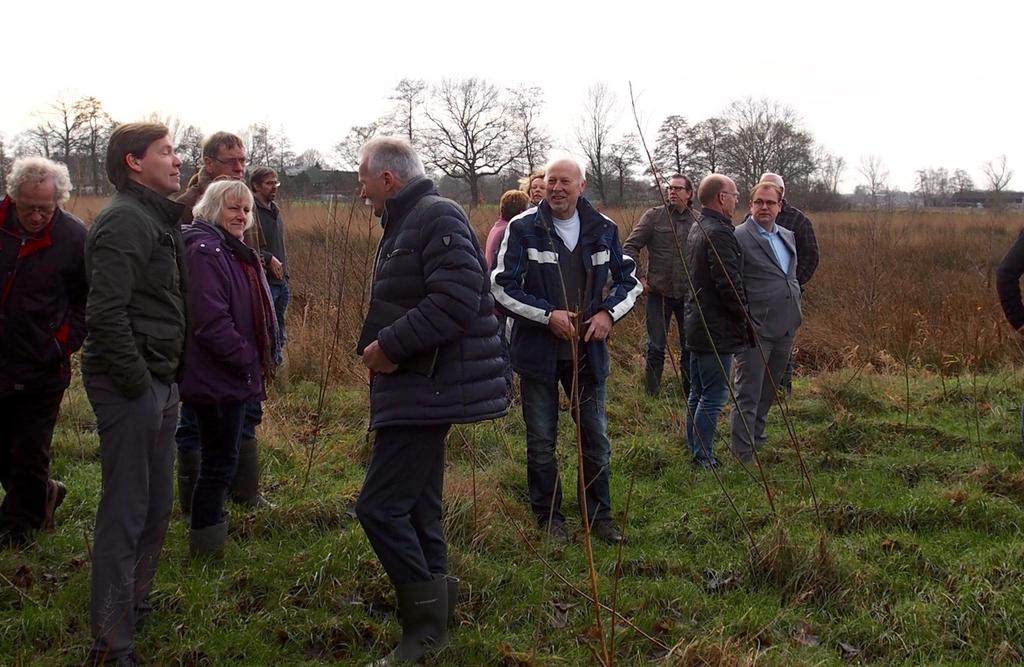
(136, 320)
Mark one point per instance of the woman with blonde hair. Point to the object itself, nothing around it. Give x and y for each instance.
(231, 348)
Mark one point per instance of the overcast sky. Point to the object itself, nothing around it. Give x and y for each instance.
(921, 84)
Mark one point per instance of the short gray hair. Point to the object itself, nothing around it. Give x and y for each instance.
(773, 178)
(211, 204)
(562, 157)
(394, 154)
(36, 170)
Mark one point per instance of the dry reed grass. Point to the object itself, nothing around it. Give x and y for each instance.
(894, 290)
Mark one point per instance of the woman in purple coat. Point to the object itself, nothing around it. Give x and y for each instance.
(231, 347)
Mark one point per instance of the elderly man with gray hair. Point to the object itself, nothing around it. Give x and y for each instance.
(431, 344)
(42, 323)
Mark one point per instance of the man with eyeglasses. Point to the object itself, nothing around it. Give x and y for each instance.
(42, 322)
(769, 273)
(224, 157)
(715, 316)
(662, 230)
(807, 253)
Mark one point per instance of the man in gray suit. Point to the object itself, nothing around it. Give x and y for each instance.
(773, 297)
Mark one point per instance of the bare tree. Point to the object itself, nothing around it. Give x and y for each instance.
(594, 136)
(707, 145)
(189, 147)
(829, 170)
(525, 106)
(670, 151)
(765, 136)
(933, 186)
(623, 157)
(5, 164)
(95, 128)
(997, 174)
(347, 150)
(408, 95)
(36, 141)
(877, 176)
(62, 123)
(309, 158)
(962, 181)
(470, 132)
(268, 148)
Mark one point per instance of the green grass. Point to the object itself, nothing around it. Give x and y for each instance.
(913, 555)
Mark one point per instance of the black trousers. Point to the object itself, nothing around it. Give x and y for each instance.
(220, 433)
(400, 504)
(26, 429)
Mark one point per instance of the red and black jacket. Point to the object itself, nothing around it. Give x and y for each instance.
(42, 301)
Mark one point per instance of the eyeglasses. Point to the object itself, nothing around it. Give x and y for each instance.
(677, 188)
(29, 211)
(732, 194)
(758, 203)
(234, 161)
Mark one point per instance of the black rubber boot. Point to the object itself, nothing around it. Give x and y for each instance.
(209, 541)
(188, 473)
(652, 380)
(245, 487)
(423, 610)
(453, 597)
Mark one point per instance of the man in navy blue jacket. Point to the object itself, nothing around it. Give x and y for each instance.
(431, 270)
(553, 266)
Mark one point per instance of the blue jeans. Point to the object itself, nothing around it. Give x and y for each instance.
(660, 310)
(709, 391)
(281, 296)
(540, 412)
(220, 426)
(187, 433)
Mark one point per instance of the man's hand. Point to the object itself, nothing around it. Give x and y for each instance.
(560, 324)
(599, 326)
(375, 359)
(276, 268)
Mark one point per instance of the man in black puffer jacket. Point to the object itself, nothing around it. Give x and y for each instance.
(436, 364)
(42, 322)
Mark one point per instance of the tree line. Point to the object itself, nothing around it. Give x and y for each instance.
(481, 137)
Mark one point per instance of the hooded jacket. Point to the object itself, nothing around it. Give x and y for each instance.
(222, 360)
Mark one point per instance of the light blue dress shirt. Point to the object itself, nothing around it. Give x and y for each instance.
(782, 253)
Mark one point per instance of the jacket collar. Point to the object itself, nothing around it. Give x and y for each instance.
(706, 212)
(168, 211)
(592, 223)
(406, 198)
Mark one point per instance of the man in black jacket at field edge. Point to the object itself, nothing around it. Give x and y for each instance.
(429, 265)
(42, 322)
(1008, 287)
(715, 316)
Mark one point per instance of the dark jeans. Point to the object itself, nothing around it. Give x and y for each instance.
(540, 412)
(709, 392)
(220, 429)
(399, 506)
(187, 432)
(506, 357)
(281, 295)
(660, 310)
(137, 463)
(26, 429)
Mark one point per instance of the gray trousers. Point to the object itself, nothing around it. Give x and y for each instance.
(137, 458)
(755, 393)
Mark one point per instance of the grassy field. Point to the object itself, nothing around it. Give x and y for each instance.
(912, 555)
(900, 544)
